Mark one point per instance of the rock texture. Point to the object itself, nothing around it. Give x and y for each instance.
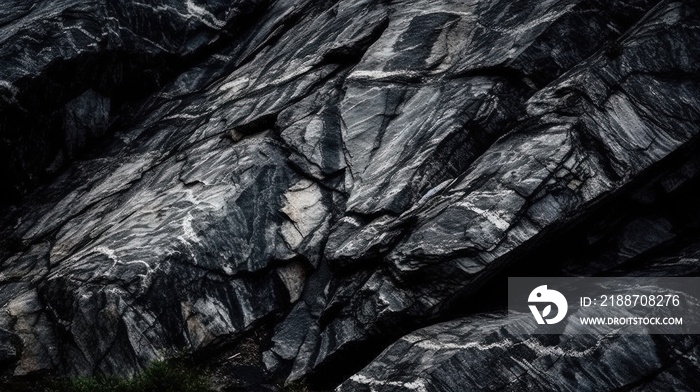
(70, 68)
(481, 353)
(487, 351)
(180, 173)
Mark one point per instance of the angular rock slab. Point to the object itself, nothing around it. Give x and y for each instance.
(190, 226)
(56, 56)
(482, 353)
(590, 133)
(338, 155)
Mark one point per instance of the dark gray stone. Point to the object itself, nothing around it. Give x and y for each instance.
(341, 172)
(578, 141)
(483, 353)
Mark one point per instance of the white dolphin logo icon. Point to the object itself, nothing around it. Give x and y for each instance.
(542, 295)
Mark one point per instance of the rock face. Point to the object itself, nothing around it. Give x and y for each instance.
(179, 173)
(479, 353)
(70, 68)
(487, 351)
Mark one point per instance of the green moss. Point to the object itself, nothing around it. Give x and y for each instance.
(159, 377)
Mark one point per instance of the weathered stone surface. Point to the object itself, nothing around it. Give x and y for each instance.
(484, 352)
(578, 140)
(174, 236)
(55, 55)
(345, 171)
